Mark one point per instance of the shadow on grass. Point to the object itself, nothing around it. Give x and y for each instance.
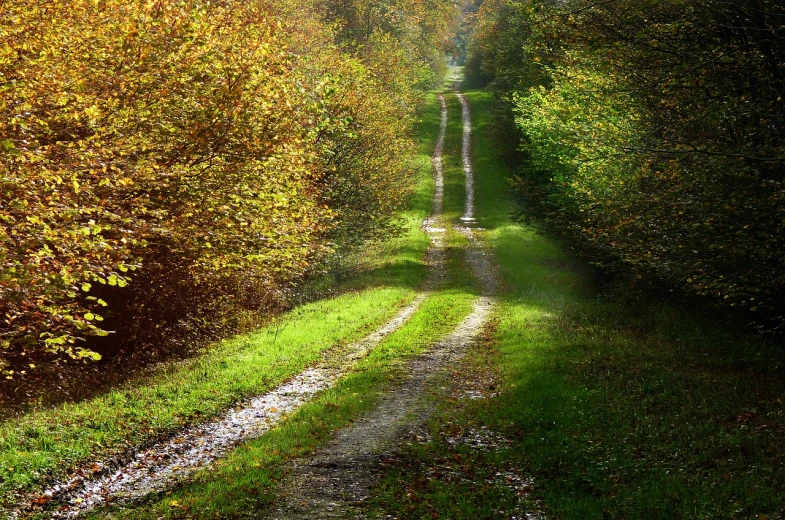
(633, 409)
(617, 408)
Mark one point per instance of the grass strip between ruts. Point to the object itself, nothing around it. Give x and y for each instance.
(244, 484)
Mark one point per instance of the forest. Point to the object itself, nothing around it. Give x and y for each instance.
(652, 135)
(412, 259)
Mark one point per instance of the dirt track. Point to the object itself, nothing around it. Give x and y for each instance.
(336, 480)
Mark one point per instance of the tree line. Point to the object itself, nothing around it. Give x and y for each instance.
(653, 134)
(168, 166)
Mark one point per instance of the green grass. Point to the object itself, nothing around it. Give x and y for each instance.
(243, 485)
(617, 409)
(43, 442)
(39, 445)
(454, 188)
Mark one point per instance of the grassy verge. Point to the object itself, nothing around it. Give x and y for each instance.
(615, 410)
(46, 443)
(243, 485)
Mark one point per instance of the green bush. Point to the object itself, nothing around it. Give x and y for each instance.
(655, 137)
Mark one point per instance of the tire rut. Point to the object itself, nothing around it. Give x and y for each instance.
(163, 464)
(336, 481)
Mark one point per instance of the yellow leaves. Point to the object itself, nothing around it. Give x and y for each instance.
(92, 112)
(183, 155)
(8, 147)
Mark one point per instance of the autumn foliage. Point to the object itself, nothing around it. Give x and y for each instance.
(654, 135)
(165, 163)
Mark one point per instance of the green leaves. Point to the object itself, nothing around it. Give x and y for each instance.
(651, 133)
(7, 147)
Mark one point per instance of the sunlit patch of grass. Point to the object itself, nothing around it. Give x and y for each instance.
(38, 446)
(43, 442)
(454, 184)
(243, 485)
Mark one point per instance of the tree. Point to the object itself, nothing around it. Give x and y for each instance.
(167, 165)
(656, 138)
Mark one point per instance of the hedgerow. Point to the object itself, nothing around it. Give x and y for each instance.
(653, 135)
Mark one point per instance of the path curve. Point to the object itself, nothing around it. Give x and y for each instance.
(336, 480)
